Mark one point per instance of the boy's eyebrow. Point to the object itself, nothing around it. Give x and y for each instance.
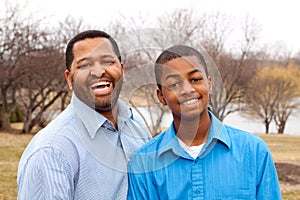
(177, 75)
(195, 71)
(172, 76)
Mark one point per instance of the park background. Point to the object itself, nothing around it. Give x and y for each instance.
(253, 47)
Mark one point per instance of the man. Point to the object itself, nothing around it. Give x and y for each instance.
(83, 153)
(198, 157)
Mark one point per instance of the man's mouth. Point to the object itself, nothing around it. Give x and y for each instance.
(102, 87)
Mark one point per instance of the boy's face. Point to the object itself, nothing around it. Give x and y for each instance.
(185, 87)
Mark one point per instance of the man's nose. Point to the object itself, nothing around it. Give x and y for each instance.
(98, 70)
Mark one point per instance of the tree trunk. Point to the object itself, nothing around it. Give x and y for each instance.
(27, 123)
(5, 121)
(4, 111)
(267, 125)
(281, 128)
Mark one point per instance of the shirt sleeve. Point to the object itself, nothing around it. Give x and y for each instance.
(46, 175)
(140, 184)
(268, 186)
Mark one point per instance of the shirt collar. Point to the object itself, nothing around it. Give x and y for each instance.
(92, 120)
(217, 132)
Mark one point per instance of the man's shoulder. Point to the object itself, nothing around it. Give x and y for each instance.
(59, 133)
(57, 141)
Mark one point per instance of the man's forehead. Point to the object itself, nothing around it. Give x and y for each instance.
(93, 46)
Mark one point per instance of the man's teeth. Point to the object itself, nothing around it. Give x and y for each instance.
(100, 85)
(191, 101)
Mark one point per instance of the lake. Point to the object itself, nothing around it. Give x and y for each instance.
(241, 122)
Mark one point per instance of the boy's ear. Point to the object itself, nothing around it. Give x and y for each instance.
(160, 97)
(210, 84)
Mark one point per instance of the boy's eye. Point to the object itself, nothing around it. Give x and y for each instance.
(194, 80)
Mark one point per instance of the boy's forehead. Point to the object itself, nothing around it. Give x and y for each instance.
(182, 63)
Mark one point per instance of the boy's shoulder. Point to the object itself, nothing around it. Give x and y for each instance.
(242, 137)
(153, 145)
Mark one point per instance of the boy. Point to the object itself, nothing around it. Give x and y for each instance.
(198, 157)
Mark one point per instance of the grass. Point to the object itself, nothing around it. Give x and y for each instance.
(284, 148)
(11, 149)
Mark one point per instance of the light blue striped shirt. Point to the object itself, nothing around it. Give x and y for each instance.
(232, 164)
(80, 155)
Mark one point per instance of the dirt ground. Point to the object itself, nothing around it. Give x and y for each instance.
(289, 176)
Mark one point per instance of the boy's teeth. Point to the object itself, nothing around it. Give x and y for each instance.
(191, 101)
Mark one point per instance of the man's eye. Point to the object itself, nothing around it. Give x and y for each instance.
(173, 85)
(85, 65)
(108, 62)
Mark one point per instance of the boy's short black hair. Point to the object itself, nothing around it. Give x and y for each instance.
(173, 52)
(88, 34)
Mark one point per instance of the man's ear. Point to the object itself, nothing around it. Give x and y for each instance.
(160, 97)
(69, 79)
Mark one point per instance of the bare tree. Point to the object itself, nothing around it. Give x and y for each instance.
(288, 95)
(236, 68)
(214, 33)
(271, 96)
(18, 36)
(42, 84)
(182, 25)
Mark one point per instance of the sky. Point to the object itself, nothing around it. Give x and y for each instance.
(279, 18)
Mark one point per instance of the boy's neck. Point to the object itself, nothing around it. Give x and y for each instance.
(193, 132)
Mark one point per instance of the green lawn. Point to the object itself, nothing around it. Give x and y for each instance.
(283, 147)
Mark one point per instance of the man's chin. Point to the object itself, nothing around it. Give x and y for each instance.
(103, 108)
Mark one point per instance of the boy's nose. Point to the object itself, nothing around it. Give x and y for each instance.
(187, 88)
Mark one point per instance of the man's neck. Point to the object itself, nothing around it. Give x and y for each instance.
(111, 115)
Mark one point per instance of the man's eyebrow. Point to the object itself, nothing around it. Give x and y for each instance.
(90, 58)
(83, 59)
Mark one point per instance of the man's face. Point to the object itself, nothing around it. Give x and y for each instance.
(185, 87)
(96, 74)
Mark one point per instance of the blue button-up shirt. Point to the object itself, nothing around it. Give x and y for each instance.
(80, 155)
(232, 164)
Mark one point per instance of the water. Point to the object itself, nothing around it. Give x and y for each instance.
(241, 122)
(255, 126)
